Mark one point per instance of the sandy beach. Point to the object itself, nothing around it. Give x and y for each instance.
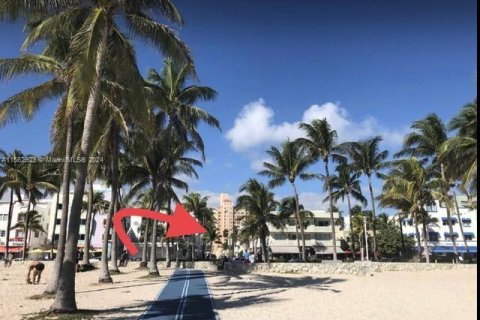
(441, 294)
(126, 298)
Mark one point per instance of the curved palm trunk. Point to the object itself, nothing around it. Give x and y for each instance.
(52, 241)
(115, 180)
(351, 227)
(86, 247)
(417, 232)
(469, 257)
(25, 227)
(65, 297)
(302, 231)
(143, 263)
(447, 207)
(332, 220)
(9, 225)
(62, 236)
(372, 198)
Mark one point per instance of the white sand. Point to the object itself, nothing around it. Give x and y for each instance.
(445, 294)
(126, 298)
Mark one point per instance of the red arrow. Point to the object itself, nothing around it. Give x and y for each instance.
(181, 224)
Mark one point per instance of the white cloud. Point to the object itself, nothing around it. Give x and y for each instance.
(255, 129)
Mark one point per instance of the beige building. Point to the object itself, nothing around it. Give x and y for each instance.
(226, 218)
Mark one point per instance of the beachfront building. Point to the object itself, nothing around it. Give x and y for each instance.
(36, 238)
(227, 219)
(440, 239)
(318, 238)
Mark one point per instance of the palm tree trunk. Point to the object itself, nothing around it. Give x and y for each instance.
(469, 257)
(52, 242)
(143, 263)
(297, 212)
(115, 174)
(419, 244)
(351, 228)
(152, 267)
(9, 224)
(25, 227)
(374, 242)
(193, 247)
(400, 219)
(168, 261)
(62, 236)
(332, 220)
(263, 240)
(65, 297)
(425, 242)
(86, 247)
(447, 207)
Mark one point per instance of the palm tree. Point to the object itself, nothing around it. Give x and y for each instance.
(35, 179)
(426, 140)
(10, 168)
(321, 141)
(347, 184)
(289, 163)
(90, 47)
(368, 160)
(34, 223)
(144, 200)
(259, 203)
(287, 209)
(413, 184)
(461, 150)
(198, 206)
(96, 204)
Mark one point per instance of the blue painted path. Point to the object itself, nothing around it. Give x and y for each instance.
(185, 296)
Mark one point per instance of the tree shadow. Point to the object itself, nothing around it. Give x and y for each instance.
(238, 292)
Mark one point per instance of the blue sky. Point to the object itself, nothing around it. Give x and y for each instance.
(370, 67)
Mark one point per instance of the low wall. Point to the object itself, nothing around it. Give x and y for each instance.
(356, 268)
(202, 265)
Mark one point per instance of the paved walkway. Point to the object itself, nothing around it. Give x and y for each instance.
(184, 296)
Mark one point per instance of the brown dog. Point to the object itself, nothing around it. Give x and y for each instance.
(35, 268)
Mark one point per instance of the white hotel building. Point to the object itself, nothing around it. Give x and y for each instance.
(318, 237)
(440, 239)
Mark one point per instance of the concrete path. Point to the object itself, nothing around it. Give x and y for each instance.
(185, 296)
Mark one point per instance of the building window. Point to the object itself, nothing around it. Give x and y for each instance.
(307, 237)
(3, 217)
(2, 233)
(56, 237)
(59, 206)
(21, 217)
(280, 237)
(432, 208)
(37, 234)
(466, 222)
(434, 236)
(58, 221)
(322, 223)
(323, 236)
(292, 236)
(448, 236)
(83, 222)
(81, 237)
(445, 221)
(469, 236)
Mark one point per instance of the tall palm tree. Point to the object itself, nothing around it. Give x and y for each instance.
(259, 202)
(346, 183)
(461, 150)
(413, 184)
(321, 141)
(367, 158)
(426, 140)
(35, 180)
(144, 200)
(90, 46)
(96, 204)
(288, 164)
(198, 206)
(10, 168)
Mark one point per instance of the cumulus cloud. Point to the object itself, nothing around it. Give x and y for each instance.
(255, 128)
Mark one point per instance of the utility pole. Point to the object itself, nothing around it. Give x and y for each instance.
(366, 235)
